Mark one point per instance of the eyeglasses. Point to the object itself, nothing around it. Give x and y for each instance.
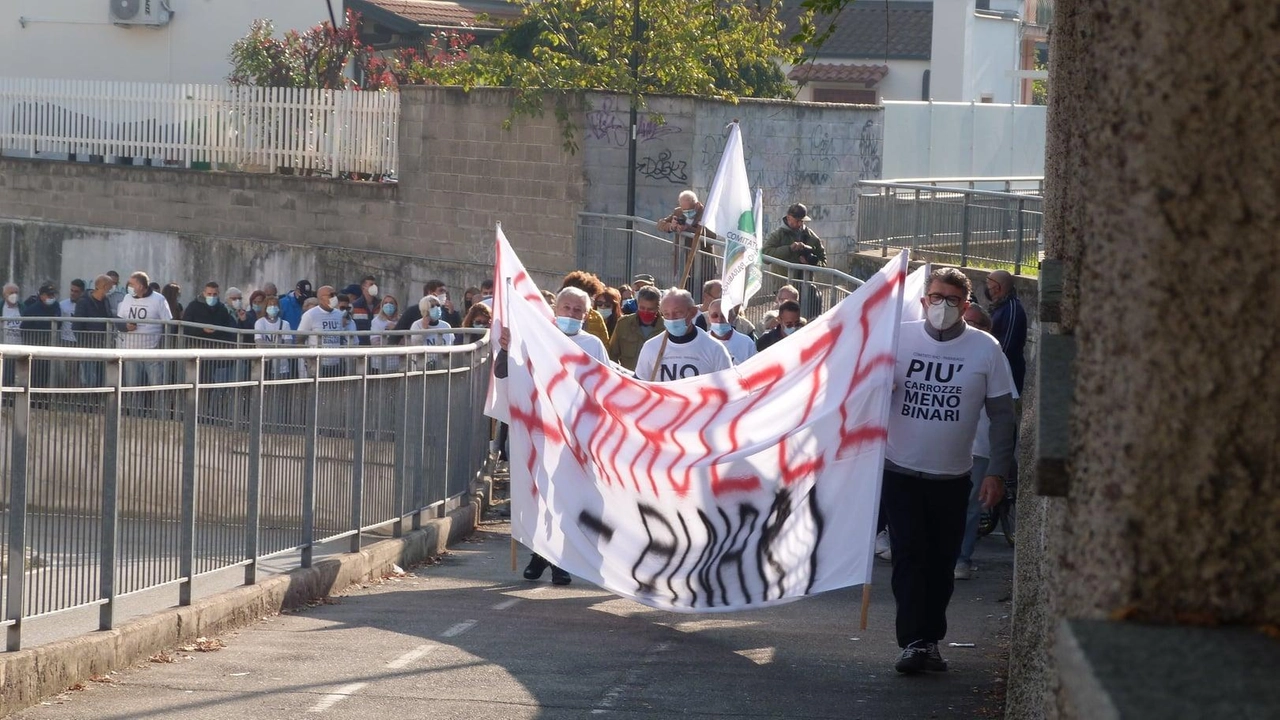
(939, 298)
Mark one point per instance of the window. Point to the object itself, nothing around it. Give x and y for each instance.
(845, 95)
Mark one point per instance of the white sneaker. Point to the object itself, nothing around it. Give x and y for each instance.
(882, 546)
(964, 571)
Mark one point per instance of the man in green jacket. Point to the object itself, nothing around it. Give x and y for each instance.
(794, 242)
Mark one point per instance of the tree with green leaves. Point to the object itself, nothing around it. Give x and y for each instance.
(709, 48)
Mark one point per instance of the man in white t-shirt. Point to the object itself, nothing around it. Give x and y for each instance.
(333, 325)
(947, 373)
(740, 346)
(141, 308)
(684, 350)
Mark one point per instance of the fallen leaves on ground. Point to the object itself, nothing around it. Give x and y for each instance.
(204, 644)
(161, 657)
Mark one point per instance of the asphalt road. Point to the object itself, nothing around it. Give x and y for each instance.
(467, 638)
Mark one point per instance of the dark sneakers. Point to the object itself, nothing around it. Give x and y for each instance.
(914, 659)
(920, 657)
(537, 565)
(933, 661)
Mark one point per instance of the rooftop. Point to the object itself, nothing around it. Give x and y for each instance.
(873, 29)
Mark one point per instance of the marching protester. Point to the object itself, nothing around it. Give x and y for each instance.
(740, 347)
(978, 318)
(789, 321)
(608, 305)
(291, 305)
(684, 350)
(331, 325)
(1008, 322)
(592, 286)
(639, 281)
(571, 309)
(711, 290)
(142, 303)
(271, 330)
(635, 329)
(946, 373)
(388, 315)
(365, 308)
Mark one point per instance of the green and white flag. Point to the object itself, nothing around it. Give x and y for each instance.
(730, 213)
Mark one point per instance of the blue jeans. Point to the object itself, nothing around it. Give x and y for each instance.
(975, 511)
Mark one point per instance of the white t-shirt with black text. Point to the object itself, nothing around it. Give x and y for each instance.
(700, 355)
(151, 307)
(318, 319)
(939, 390)
(740, 347)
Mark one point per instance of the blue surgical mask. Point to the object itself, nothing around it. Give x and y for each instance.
(605, 312)
(721, 328)
(211, 300)
(788, 330)
(435, 313)
(257, 309)
(272, 311)
(388, 309)
(568, 325)
(677, 328)
(689, 214)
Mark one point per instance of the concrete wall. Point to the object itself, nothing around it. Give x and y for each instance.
(795, 152)
(461, 173)
(74, 39)
(1160, 177)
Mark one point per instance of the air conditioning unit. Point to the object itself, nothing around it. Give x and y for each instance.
(153, 13)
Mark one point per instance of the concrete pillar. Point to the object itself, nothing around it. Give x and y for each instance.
(1163, 168)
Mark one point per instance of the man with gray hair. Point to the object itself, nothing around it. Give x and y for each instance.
(1008, 322)
(684, 350)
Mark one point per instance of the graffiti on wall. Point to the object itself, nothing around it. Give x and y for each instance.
(612, 124)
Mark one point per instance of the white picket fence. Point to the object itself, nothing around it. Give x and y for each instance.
(214, 126)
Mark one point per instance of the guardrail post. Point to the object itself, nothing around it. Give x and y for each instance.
(17, 556)
(420, 478)
(1017, 250)
(964, 231)
(309, 465)
(253, 506)
(401, 449)
(357, 456)
(190, 436)
(883, 217)
(631, 248)
(450, 457)
(915, 231)
(110, 538)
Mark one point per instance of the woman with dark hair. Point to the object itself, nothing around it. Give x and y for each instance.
(609, 304)
(171, 292)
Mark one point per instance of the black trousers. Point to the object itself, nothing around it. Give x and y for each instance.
(926, 526)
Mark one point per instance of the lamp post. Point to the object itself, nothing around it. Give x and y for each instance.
(631, 144)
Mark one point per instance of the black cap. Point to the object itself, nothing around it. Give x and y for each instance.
(48, 288)
(303, 285)
(799, 212)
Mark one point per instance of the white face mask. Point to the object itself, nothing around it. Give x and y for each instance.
(942, 316)
(333, 302)
(373, 291)
(12, 299)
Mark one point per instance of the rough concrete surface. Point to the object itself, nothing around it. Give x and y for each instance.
(468, 638)
(28, 676)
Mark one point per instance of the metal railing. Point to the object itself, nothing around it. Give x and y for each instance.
(618, 247)
(176, 463)
(964, 226)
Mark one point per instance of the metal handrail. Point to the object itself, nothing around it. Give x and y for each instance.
(893, 185)
(1024, 178)
(765, 259)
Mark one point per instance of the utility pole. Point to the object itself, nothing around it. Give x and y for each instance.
(631, 145)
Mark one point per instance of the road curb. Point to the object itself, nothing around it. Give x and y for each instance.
(28, 676)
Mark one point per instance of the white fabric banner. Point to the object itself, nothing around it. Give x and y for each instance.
(916, 286)
(730, 213)
(741, 489)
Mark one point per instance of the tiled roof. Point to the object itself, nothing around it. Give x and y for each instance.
(860, 30)
(867, 75)
(444, 13)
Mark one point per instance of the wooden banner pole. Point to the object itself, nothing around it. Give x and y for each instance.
(866, 605)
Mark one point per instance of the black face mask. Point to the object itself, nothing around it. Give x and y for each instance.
(986, 292)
